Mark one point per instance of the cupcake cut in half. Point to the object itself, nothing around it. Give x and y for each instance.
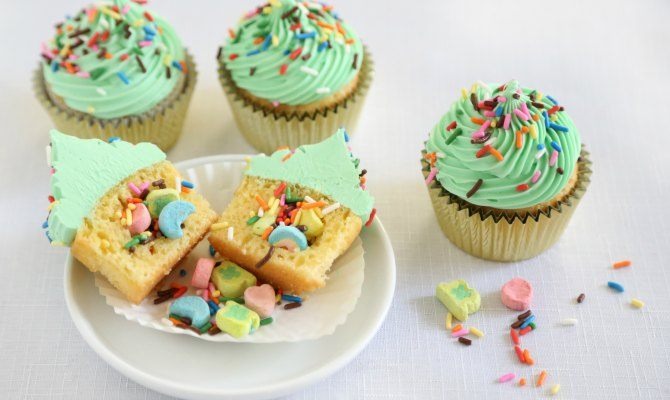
(505, 170)
(123, 210)
(294, 213)
(294, 72)
(116, 69)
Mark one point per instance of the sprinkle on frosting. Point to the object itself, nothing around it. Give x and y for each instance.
(507, 147)
(293, 52)
(112, 59)
(327, 167)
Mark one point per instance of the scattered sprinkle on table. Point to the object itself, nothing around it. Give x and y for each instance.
(476, 332)
(621, 264)
(465, 341)
(555, 389)
(637, 303)
(581, 298)
(506, 377)
(541, 378)
(616, 286)
(569, 322)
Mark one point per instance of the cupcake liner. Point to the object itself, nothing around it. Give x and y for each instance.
(161, 125)
(499, 235)
(267, 129)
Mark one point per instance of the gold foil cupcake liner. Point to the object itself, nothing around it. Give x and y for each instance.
(267, 129)
(498, 235)
(161, 125)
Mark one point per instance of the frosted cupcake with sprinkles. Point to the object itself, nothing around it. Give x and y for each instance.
(293, 72)
(116, 69)
(123, 209)
(294, 213)
(505, 170)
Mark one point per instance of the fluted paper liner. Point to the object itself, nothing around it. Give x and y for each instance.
(321, 313)
(495, 235)
(161, 125)
(267, 129)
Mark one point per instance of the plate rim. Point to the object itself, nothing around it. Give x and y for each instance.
(285, 387)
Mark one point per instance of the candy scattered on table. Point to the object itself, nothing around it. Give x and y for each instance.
(555, 389)
(637, 303)
(541, 378)
(237, 320)
(506, 377)
(569, 322)
(517, 294)
(615, 286)
(580, 298)
(459, 298)
(622, 264)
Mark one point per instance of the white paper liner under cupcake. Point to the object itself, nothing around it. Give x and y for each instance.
(321, 312)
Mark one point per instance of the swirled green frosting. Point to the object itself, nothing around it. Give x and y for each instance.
(113, 59)
(327, 167)
(292, 52)
(529, 159)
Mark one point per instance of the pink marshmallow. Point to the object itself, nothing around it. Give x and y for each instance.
(202, 273)
(260, 299)
(141, 219)
(517, 294)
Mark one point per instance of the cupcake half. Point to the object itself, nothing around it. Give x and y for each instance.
(294, 213)
(123, 210)
(505, 171)
(293, 72)
(116, 69)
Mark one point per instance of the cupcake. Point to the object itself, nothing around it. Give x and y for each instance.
(115, 69)
(123, 209)
(505, 170)
(294, 213)
(293, 72)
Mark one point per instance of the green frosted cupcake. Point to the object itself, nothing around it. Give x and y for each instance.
(115, 69)
(505, 170)
(293, 72)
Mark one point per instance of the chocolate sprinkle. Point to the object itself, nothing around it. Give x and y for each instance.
(289, 12)
(523, 316)
(306, 56)
(158, 182)
(516, 95)
(252, 71)
(141, 64)
(517, 324)
(473, 100)
(265, 258)
(537, 105)
(219, 53)
(214, 330)
(559, 170)
(162, 299)
(580, 298)
(291, 306)
(355, 63)
(475, 188)
(465, 341)
(168, 73)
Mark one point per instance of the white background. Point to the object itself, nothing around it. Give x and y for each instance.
(608, 64)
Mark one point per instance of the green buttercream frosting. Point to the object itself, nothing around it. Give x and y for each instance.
(293, 52)
(110, 60)
(327, 167)
(85, 169)
(549, 129)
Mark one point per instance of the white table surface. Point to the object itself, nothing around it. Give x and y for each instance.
(606, 61)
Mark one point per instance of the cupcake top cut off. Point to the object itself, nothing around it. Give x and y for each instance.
(505, 147)
(113, 59)
(292, 52)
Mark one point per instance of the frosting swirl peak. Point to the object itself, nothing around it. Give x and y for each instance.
(113, 59)
(504, 147)
(292, 52)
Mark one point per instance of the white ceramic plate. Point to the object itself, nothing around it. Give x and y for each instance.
(186, 367)
(320, 315)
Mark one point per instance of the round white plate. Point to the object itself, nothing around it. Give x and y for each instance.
(185, 367)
